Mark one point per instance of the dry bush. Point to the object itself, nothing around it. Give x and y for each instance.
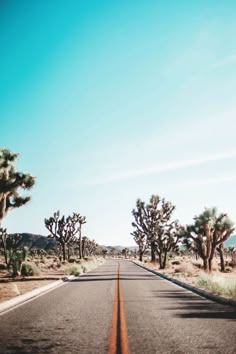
(232, 264)
(29, 269)
(186, 269)
(177, 262)
(197, 264)
(3, 266)
(228, 269)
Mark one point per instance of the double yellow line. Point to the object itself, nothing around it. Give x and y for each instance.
(119, 336)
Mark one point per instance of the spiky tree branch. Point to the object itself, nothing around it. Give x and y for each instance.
(10, 182)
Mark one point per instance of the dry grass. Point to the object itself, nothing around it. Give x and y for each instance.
(218, 284)
(189, 270)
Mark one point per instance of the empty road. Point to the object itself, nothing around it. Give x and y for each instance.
(119, 308)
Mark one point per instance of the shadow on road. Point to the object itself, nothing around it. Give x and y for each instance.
(192, 306)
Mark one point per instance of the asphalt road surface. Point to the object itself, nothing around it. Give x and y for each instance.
(119, 308)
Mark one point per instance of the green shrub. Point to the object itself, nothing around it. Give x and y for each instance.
(29, 269)
(75, 270)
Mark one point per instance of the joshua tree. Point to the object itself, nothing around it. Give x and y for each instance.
(63, 229)
(81, 221)
(14, 252)
(10, 182)
(208, 233)
(125, 252)
(153, 221)
(141, 239)
(168, 237)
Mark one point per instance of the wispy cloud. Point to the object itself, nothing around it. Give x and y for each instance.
(174, 165)
(209, 181)
(225, 61)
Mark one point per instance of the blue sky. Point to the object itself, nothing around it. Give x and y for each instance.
(108, 101)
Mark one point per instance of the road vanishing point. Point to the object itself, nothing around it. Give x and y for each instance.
(119, 308)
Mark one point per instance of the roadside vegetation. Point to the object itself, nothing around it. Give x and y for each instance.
(193, 253)
(70, 252)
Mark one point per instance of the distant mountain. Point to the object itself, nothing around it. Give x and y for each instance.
(231, 242)
(37, 241)
(43, 242)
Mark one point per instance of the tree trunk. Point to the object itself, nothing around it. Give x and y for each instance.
(140, 256)
(80, 245)
(63, 251)
(210, 264)
(153, 251)
(222, 261)
(205, 265)
(164, 260)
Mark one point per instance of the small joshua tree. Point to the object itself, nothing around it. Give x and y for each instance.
(11, 181)
(141, 239)
(208, 233)
(13, 251)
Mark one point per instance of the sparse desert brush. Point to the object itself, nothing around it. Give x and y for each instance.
(186, 269)
(228, 269)
(3, 266)
(76, 270)
(176, 262)
(218, 284)
(29, 269)
(197, 264)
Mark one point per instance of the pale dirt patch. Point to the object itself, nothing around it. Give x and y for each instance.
(15, 288)
(51, 270)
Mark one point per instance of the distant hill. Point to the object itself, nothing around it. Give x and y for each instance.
(231, 242)
(43, 242)
(37, 241)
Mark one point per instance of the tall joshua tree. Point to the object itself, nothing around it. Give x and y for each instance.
(11, 181)
(207, 234)
(64, 229)
(153, 220)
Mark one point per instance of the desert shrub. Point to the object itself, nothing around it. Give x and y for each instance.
(232, 264)
(3, 266)
(75, 270)
(175, 262)
(228, 269)
(177, 270)
(197, 264)
(29, 269)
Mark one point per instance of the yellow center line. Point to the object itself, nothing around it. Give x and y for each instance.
(119, 336)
